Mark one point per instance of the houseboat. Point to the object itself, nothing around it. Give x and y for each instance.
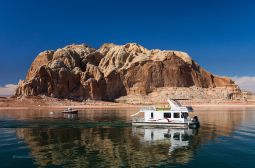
(175, 115)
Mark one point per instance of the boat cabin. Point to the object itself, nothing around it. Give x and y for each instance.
(174, 113)
(156, 115)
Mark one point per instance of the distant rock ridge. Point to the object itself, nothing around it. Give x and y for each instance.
(80, 72)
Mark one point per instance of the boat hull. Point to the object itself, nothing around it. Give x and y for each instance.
(70, 112)
(167, 124)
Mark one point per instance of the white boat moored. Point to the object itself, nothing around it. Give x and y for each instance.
(175, 115)
(70, 111)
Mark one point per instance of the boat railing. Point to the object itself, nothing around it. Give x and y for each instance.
(180, 108)
(148, 108)
(163, 108)
(153, 108)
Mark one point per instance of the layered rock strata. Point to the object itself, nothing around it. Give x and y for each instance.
(80, 72)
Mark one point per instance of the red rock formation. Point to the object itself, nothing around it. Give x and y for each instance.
(80, 72)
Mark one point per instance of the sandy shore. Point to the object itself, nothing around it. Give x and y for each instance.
(53, 103)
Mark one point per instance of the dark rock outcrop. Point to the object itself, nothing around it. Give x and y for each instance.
(80, 72)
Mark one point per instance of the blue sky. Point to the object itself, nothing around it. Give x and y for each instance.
(218, 34)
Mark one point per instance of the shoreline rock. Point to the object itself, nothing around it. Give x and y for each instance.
(79, 72)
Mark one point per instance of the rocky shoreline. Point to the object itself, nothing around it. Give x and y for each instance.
(41, 102)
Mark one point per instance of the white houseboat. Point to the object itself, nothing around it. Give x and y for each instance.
(175, 115)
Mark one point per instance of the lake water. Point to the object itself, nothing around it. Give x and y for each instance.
(106, 138)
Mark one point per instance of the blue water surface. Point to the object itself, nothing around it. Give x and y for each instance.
(106, 138)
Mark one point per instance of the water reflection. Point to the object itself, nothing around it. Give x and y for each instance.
(132, 147)
(177, 138)
(79, 144)
(90, 147)
(179, 143)
(70, 116)
(108, 146)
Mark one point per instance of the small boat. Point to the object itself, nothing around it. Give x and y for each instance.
(70, 111)
(175, 115)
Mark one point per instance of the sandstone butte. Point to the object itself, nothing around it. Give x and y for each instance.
(111, 72)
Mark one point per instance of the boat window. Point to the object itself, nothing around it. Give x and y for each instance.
(176, 136)
(167, 115)
(185, 137)
(151, 115)
(184, 115)
(152, 135)
(176, 115)
(167, 135)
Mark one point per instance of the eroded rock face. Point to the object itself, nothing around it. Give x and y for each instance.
(80, 72)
